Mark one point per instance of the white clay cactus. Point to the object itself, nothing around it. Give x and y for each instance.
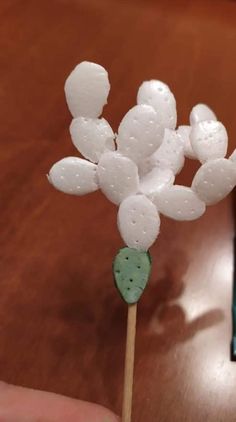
(137, 169)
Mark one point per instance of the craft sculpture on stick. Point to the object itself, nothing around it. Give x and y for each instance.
(136, 169)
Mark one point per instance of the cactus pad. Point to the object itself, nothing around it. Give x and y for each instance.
(131, 269)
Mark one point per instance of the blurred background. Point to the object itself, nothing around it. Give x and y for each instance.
(62, 323)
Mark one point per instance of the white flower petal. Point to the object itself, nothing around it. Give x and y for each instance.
(184, 133)
(92, 137)
(138, 222)
(158, 95)
(139, 133)
(209, 140)
(87, 89)
(74, 175)
(156, 180)
(201, 112)
(118, 176)
(179, 203)
(170, 155)
(214, 180)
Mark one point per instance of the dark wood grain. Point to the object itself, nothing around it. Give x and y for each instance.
(62, 323)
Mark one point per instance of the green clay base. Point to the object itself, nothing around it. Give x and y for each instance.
(131, 269)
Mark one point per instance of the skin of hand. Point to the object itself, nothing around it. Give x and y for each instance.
(18, 404)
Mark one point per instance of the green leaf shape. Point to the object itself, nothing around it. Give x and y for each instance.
(131, 269)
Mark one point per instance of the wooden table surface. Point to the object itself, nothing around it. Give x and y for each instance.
(62, 323)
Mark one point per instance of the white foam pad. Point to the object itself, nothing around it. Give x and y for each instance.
(87, 89)
(184, 134)
(179, 203)
(138, 222)
(92, 137)
(145, 166)
(74, 175)
(214, 180)
(139, 133)
(169, 155)
(209, 140)
(158, 95)
(233, 156)
(156, 180)
(201, 112)
(118, 176)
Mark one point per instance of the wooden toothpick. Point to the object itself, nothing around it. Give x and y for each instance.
(129, 363)
(131, 269)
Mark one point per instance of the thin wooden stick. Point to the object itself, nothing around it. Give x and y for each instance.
(129, 363)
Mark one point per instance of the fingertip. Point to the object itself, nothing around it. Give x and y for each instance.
(17, 401)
